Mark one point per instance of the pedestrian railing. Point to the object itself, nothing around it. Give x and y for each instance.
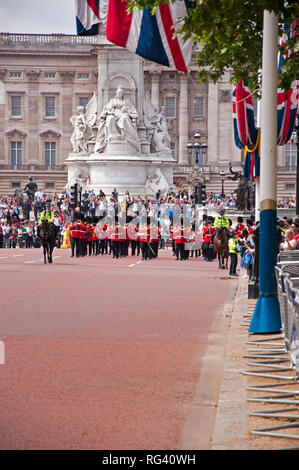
(287, 276)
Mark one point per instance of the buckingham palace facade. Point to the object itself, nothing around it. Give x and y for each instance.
(43, 78)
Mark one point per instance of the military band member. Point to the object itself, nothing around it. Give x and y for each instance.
(74, 235)
(208, 232)
(114, 241)
(144, 240)
(155, 236)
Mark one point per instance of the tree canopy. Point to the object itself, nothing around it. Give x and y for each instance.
(229, 35)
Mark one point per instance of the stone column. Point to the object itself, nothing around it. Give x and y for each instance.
(66, 110)
(2, 116)
(31, 150)
(155, 89)
(183, 120)
(212, 153)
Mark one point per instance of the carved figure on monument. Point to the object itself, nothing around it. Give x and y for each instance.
(161, 136)
(150, 117)
(91, 114)
(155, 182)
(245, 191)
(80, 134)
(117, 123)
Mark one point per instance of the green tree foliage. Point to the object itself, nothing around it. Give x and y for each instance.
(228, 34)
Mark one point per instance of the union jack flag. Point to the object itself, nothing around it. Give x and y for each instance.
(149, 36)
(245, 131)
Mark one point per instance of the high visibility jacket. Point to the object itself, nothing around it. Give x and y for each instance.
(47, 215)
(233, 245)
(221, 222)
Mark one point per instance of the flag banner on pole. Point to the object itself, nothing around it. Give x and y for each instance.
(149, 36)
(287, 102)
(243, 116)
(246, 135)
(87, 17)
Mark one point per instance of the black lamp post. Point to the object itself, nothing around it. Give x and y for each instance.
(222, 175)
(295, 139)
(198, 147)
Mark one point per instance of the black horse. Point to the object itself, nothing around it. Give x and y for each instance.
(47, 234)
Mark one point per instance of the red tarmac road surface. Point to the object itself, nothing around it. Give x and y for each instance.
(103, 353)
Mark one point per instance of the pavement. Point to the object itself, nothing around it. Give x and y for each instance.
(231, 430)
(245, 419)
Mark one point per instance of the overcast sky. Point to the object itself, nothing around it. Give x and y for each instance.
(37, 16)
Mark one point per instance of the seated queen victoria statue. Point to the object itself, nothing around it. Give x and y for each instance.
(117, 123)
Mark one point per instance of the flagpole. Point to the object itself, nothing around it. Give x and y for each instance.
(257, 179)
(266, 316)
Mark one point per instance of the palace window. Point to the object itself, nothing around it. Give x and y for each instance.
(50, 153)
(83, 100)
(170, 106)
(16, 152)
(83, 75)
(50, 106)
(50, 74)
(290, 154)
(16, 105)
(172, 148)
(15, 74)
(170, 76)
(198, 111)
(197, 157)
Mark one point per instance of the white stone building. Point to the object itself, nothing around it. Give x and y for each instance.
(43, 78)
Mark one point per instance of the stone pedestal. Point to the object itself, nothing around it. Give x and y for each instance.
(138, 174)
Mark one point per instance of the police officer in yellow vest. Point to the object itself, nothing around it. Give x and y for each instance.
(233, 244)
(48, 215)
(221, 220)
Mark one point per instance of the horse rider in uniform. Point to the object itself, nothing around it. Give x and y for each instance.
(221, 220)
(48, 215)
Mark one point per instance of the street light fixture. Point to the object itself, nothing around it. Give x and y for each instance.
(199, 148)
(295, 140)
(222, 175)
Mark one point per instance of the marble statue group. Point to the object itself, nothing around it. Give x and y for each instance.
(118, 123)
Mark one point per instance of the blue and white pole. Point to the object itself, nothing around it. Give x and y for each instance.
(266, 316)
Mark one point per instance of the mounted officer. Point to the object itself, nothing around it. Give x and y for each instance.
(48, 214)
(221, 220)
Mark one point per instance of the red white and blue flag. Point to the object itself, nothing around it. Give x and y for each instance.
(149, 36)
(287, 102)
(245, 132)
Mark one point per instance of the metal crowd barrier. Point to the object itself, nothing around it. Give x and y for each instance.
(287, 276)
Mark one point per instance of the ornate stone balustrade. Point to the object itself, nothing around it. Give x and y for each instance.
(65, 39)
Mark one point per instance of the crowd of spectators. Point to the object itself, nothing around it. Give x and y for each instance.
(286, 203)
(19, 217)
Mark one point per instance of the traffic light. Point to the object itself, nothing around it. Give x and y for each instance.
(74, 195)
(200, 193)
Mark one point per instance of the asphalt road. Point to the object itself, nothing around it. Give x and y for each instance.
(109, 354)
